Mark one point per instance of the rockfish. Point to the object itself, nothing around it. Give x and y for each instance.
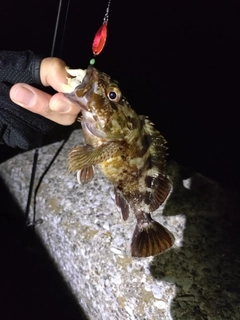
(129, 152)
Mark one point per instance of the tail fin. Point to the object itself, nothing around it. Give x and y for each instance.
(150, 238)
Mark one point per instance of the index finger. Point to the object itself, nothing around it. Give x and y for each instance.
(53, 73)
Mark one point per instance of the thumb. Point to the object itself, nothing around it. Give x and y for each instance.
(30, 97)
(56, 108)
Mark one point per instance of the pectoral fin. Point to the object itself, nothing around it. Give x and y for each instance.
(85, 156)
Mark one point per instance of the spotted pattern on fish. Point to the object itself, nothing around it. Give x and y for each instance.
(129, 151)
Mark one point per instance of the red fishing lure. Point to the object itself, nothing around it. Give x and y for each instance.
(101, 35)
(99, 39)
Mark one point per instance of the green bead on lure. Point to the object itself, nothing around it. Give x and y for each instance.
(92, 61)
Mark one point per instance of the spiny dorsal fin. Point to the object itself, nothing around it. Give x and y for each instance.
(160, 189)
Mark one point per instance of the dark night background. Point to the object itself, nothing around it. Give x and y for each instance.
(176, 61)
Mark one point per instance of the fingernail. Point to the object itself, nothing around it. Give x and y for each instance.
(24, 97)
(61, 106)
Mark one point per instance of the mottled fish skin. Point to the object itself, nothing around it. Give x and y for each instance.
(130, 153)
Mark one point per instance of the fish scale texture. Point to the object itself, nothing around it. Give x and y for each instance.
(84, 233)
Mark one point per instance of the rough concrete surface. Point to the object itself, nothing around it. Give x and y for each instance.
(83, 230)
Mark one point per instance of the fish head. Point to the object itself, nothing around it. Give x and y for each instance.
(105, 112)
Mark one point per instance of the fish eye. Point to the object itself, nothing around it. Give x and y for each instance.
(113, 94)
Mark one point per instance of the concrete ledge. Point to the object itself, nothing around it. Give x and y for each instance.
(84, 233)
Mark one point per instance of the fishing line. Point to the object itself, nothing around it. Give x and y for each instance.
(34, 166)
(28, 222)
(56, 28)
(64, 27)
(97, 47)
(43, 175)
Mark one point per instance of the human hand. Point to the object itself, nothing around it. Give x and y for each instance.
(57, 107)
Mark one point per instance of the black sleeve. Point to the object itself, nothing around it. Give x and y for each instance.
(18, 126)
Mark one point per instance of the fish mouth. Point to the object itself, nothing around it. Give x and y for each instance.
(84, 83)
(75, 78)
(79, 85)
(79, 78)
